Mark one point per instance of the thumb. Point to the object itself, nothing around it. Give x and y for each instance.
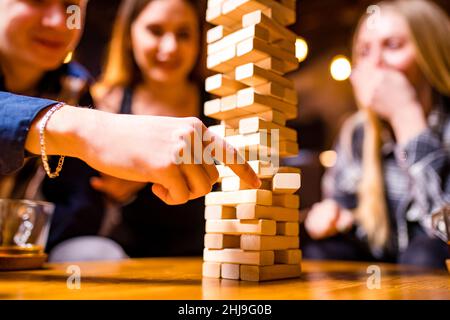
(163, 193)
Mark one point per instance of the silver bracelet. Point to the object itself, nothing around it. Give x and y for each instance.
(44, 157)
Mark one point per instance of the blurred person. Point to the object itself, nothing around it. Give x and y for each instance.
(392, 170)
(152, 68)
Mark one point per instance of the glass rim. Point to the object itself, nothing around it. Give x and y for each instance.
(28, 202)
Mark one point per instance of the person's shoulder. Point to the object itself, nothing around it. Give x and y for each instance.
(351, 135)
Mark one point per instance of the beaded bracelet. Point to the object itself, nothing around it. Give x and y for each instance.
(44, 157)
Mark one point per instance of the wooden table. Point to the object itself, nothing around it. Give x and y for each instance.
(180, 278)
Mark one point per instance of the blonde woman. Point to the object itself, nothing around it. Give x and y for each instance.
(393, 159)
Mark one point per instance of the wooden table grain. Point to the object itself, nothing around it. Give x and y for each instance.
(180, 278)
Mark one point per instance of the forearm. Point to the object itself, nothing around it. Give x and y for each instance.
(408, 122)
(66, 133)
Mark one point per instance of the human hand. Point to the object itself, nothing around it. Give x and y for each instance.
(142, 149)
(389, 94)
(326, 219)
(117, 189)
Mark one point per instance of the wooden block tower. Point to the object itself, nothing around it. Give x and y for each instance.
(253, 234)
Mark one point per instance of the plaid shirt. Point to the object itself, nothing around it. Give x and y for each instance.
(416, 176)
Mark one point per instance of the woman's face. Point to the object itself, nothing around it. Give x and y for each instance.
(165, 40)
(36, 32)
(386, 43)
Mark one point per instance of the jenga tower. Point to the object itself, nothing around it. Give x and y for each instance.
(253, 234)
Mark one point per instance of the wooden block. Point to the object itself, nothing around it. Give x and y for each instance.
(255, 124)
(221, 85)
(290, 96)
(228, 113)
(282, 14)
(262, 169)
(291, 4)
(211, 270)
(252, 140)
(252, 75)
(272, 89)
(277, 146)
(249, 100)
(235, 184)
(230, 271)
(212, 107)
(277, 91)
(262, 146)
(289, 170)
(214, 16)
(219, 212)
(448, 265)
(229, 9)
(221, 241)
(286, 183)
(286, 228)
(286, 45)
(254, 49)
(218, 61)
(229, 103)
(273, 272)
(262, 197)
(217, 33)
(288, 148)
(276, 30)
(238, 8)
(252, 242)
(234, 38)
(273, 64)
(238, 227)
(279, 15)
(269, 116)
(252, 211)
(237, 256)
(286, 200)
(293, 256)
(223, 131)
(215, 3)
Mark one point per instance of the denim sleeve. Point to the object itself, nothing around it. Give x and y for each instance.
(16, 115)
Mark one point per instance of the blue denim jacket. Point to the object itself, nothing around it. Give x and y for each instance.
(16, 115)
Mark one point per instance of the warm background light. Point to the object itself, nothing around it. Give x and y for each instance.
(328, 158)
(340, 68)
(301, 49)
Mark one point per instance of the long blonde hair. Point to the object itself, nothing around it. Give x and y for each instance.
(430, 32)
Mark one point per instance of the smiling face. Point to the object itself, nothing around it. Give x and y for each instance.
(388, 44)
(35, 32)
(165, 40)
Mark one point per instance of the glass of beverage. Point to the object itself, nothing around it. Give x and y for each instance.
(24, 227)
(441, 225)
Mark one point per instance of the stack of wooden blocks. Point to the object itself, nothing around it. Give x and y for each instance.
(253, 234)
